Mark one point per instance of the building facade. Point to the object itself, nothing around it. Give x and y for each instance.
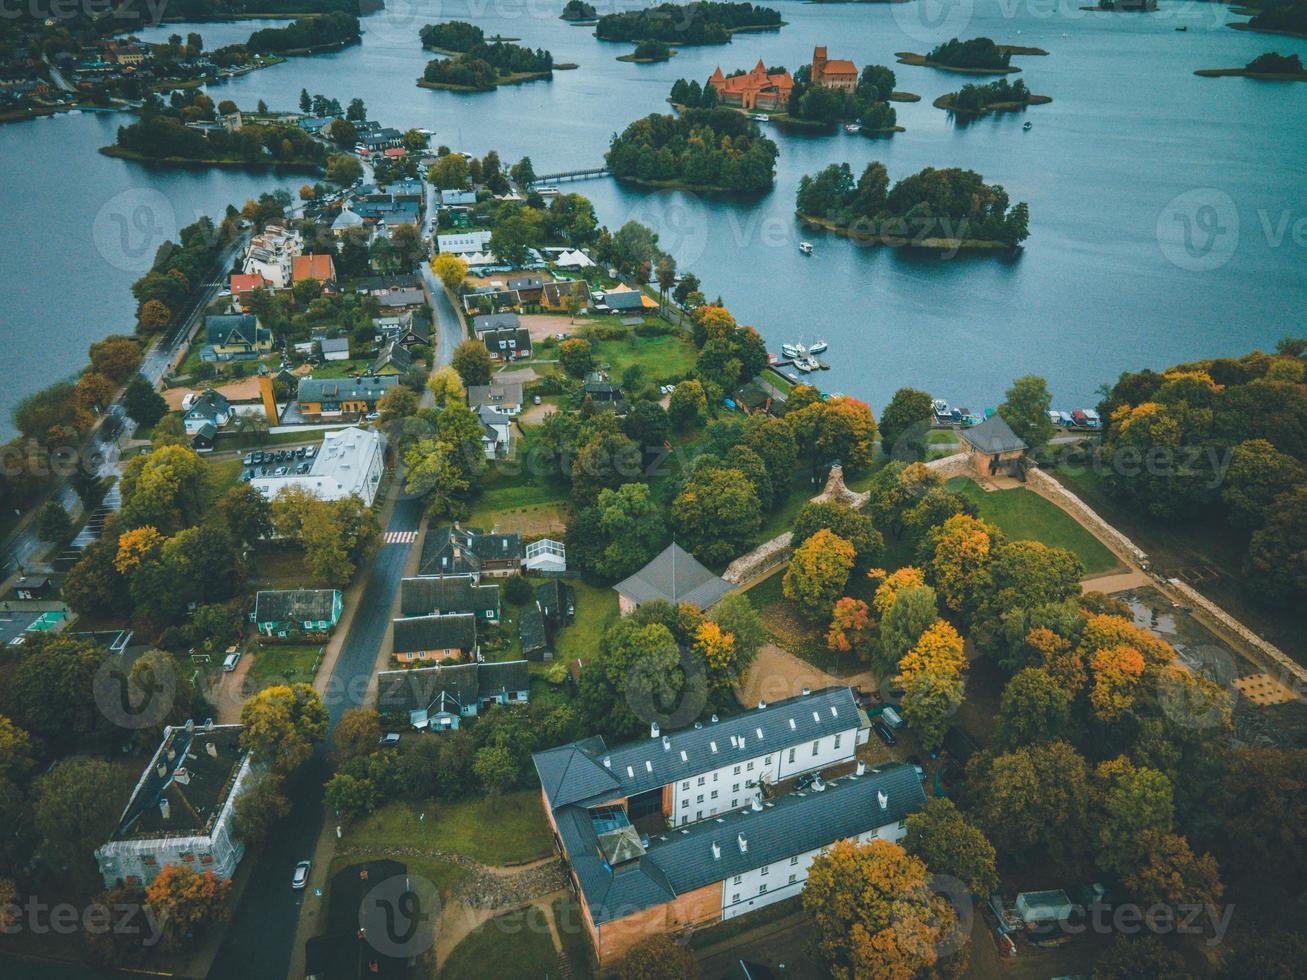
(833, 73)
(755, 90)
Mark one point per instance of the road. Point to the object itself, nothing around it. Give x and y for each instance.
(258, 941)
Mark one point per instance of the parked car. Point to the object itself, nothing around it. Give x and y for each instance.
(249, 459)
(230, 661)
(884, 733)
(279, 471)
(891, 717)
(372, 416)
(390, 738)
(301, 876)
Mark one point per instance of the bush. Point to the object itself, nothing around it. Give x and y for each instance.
(517, 591)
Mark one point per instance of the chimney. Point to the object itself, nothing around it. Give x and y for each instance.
(761, 704)
(806, 692)
(165, 809)
(653, 730)
(161, 769)
(744, 844)
(882, 799)
(755, 805)
(190, 726)
(212, 748)
(667, 744)
(713, 719)
(716, 851)
(608, 762)
(862, 768)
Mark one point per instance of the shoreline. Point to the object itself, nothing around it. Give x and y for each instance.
(680, 185)
(943, 100)
(631, 59)
(1263, 76)
(518, 79)
(906, 241)
(118, 153)
(903, 97)
(1282, 31)
(451, 53)
(919, 61)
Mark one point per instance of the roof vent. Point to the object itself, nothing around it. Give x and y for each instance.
(716, 851)
(756, 805)
(165, 809)
(713, 719)
(793, 726)
(698, 725)
(882, 799)
(684, 757)
(648, 766)
(806, 691)
(190, 725)
(608, 762)
(161, 769)
(182, 775)
(713, 746)
(816, 717)
(212, 748)
(744, 844)
(630, 773)
(759, 731)
(734, 741)
(862, 768)
(667, 744)
(817, 784)
(761, 704)
(653, 730)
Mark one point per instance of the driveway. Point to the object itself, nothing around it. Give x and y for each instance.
(778, 674)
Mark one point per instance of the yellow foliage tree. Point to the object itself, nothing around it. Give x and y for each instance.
(450, 270)
(135, 547)
(938, 651)
(185, 900)
(1103, 631)
(962, 547)
(1064, 665)
(818, 572)
(1116, 672)
(717, 647)
(897, 581)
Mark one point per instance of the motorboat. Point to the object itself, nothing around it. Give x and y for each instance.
(794, 351)
(759, 116)
(1027, 126)
(941, 409)
(805, 364)
(818, 348)
(853, 128)
(805, 248)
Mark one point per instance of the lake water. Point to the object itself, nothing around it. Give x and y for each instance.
(1133, 151)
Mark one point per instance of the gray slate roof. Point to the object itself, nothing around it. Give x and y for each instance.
(993, 436)
(427, 594)
(531, 626)
(454, 632)
(474, 545)
(495, 321)
(297, 605)
(674, 576)
(414, 690)
(368, 388)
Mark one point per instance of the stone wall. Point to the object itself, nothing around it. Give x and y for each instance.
(1276, 656)
(1122, 547)
(947, 467)
(766, 557)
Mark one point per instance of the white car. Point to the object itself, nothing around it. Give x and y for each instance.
(301, 876)
(373, 416)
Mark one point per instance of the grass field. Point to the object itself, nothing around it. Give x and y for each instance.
(1024, 514)
(596, 608)
(492, 831)
(516, 944)
(664, 358)
(221, 478)
(571, 930)
(284, 664)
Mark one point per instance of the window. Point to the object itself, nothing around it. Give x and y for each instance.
(794, 860)
(699, 798)
(735, 897)
(737, 771)
(735, 803)
(767, 761)
(735, 787)
(685, 785)
(766, 870)
(837, 741)
(793, 879)
(750, 767)
(714, 794)
(714, 777)
(791, 755)
(816, 746)
(762, 889)
(735, 880)
(685, 803)
(698, 815)
(700, 780)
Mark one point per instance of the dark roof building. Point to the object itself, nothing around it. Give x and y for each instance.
(437, 697)
(557, 601)
(993, 436)
(495, 321)
(435, 637)
(431, 595)
(296, 609)
(454, 550)
(535, 639)
(674, 576)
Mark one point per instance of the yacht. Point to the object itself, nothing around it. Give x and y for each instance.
(853, 128)
(818, 348)
(1027, 126)
(941, 409)
(805, 248)
(793, 351)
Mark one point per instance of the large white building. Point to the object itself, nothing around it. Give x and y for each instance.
(182, 809)
(349, 462)
(271, 255)
(463, 242)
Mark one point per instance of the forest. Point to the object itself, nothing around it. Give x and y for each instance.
(709, 148)
(693, 23)
(484, 66)
(303, 33)
(979, 52)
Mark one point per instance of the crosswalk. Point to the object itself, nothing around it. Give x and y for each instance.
(400, 537)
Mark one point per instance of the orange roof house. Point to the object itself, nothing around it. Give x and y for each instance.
(243, 282)
(757, 89)
(319, 267)
(839, 73)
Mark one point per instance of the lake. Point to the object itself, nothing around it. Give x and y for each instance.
(1167, 215)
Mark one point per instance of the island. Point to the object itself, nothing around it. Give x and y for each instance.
(699, 149)
(1270, 67)
(307, 35)
(1288, 17)
(648, 52)
(950, 209)
(478, 65)
(997, 96)
(578, 11)
(702, 22)
(978, 56)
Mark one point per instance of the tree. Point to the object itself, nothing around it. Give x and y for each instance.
(94, 392)
(851, 525)
(688, 404)
(850, 628)
(185, 901)
(950, 844)
(356, 111)
(1258, 474)
(142, 403)
(116, 357)
(1139, 958)
(154, 315)
(522, 173)
(1034, 709)
(356, 734)
(606, 461)
(659, 957)
(631, 530)
(817, 573)
(1276, 566)
(349, 797)
(719, 511)
(450, 270)
(959, 553)
(496, 769)
(665, 274)
(931, 676)
(282, 724)
(1138, 805)
(76, 806)
(906, 618)
(874, 913)
(1172, 875)
(736, 615)
(342, 169)
(436, 471)
(398, 403)
(164, 489)
(472, 362)
(305, 102)
(449, 172)
(1116, 673)
(904, 423)
(246, 512)
(1025, 410)
(574, 357)
(446, 387)
(53, 523)
(647, 424)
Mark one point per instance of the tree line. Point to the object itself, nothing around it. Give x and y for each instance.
(483, 65)
(979, 52)
(324, 30)
(702, 22)
(977, 98)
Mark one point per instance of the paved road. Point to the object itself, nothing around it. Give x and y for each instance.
(449, 331)
(258, 942)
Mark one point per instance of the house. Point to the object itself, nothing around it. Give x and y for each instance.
(207, 407)
(628, 301)
(565, 295)
(342, 398)
(403, 328)
(242, 284)
(507, 344)
(332, 348)
(573, 259)
(452, 550)
(758, 395)
(533, 635)
(319, 268)
(545, 557)
(489, 300)
(270, 254)
(528, 288)
(994, 448)
(674, 576)
(438, 698)
(696, 826)
(382, 285)
(496, 433)
(285, 612)
(349, 463)
(314, 124)
(403, 299)
(504, 398)
(420, 638)
(205, 436)
(182, 809)
(441, 595)
(346, 221)
(838, 73)
(557, 602)
(463, 242)
(754, 90)
(235, 337)
(30, 587)
(457, 197)
(603, 394)
(393, 360)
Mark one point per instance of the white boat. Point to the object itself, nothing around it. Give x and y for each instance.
(1027, 126)
(793, 351)
(759, 116)
(805, 248)
(853, 128)
(941, 408)
(805, 364)
(818, 348)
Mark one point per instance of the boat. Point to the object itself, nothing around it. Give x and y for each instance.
(759, 116)
(818, 348)
(1027, 126)
(805, 248)
(805, 364)
(1182, 28)
(793, 351)
(941, 409)
(853, 128)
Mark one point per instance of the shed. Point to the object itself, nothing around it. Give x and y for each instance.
(994, 448)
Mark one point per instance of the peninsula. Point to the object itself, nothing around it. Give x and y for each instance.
(1269, 67)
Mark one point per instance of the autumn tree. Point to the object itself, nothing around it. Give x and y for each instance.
(851, 525)
(186, 901)
(116, 357)
(446, 387)
(574, 357)
(1137, 807)
(1034, 709)
(719, 511)
(153, 317)
(931, 675)
(850, 628)
(688, 405)
(950, 844)
(356, 734)
(1115, 674)
(737, 617)
(659, 957)
(76, 807)
(261, 804)
(1172, 875)
(450, 270)
(874, 913)
(163, 489)
(958, 554)
(281, 725)
(717, 648)
(472, 362)
(912, 612)
(817, 573)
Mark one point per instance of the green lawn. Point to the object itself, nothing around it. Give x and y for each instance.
(222, 476)
(511, 496)
(596, 608)
(516, 944)
(341, 369)
(229, 442)
(273, 662)
(1024, 514)
(492, 831)
(664, 358)
(576, 942)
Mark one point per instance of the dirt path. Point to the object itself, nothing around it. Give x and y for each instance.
(231, 691)
(1117, 581)
(778, 674)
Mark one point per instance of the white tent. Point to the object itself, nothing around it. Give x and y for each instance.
(574, 259)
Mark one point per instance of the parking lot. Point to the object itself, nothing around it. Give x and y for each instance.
(13, 624)
(293, 460)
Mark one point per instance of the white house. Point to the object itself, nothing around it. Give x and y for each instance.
(349, 462)
(463, 243)
(207, 407)
(545, 556)
(271, 255)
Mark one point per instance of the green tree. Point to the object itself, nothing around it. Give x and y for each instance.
(1137, 802)
(688, 405)
(142, 403)
(851, 525)
(472, 362)
(1034, 709)
(343, 170)
(904, 423)
(658, 957)
(1276, 566)
(349, 797)
(496, 769)
(632, 527)
(606, 461)
(76, 807)
(912, 612)
(1025, 409)
(1258, 474)
(950, 844)
(574, 357)
(281, 725)
(53, 523)
(718, 511)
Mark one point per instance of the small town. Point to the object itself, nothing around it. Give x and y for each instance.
(439, 578)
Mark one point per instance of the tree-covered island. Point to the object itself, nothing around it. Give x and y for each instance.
(579, 10)
(648, 52)
(1268, 67)
(703, 22)
(307, 35)
(478, 65)
(702, 149)
(978, 56)
(1287, 17)
(997, 96)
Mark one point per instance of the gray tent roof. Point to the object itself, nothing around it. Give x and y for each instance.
(675, 576)
(993, 436)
